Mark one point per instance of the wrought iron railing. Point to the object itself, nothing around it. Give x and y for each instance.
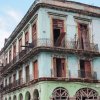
(83, 74)
(15, 84)
(87, 74)
(75, 45)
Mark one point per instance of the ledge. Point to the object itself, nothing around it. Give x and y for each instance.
(44, 79)
(36, 50)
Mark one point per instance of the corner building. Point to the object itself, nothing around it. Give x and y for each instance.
(53, 53)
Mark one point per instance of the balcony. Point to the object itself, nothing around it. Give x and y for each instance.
(87, 74)
(76, 45)
(82, 75)
(47, 44)
(16, 84)
(85, 77)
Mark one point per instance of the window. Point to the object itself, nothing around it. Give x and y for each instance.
(83, 34)
(34, 31)
(10, 56)
(36, 95)
(35, 68)
(20, 44)
(58, 32)
(20, 77)
(6, 82)
(26, 38)
(27, 74)
(14, 51)
(6, 61)
(59, 67)
(60, 94)
(10, 80)
(86, 94)
(85, 69)
(20, 96)
(14, 78)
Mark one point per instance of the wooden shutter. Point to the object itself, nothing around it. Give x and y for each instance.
(34, 31)
(63, 67)
(35, 65)
(54, 67)
(88, 69)
(58, 24)
(79, 36)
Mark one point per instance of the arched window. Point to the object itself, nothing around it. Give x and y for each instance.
(14, 98)
(9, 98)
(36, 95)
(27, 96)
(60, 94)
(5, 98)
(86, 93)
(20, 96)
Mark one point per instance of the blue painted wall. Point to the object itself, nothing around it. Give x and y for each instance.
(96, 67)
(44, 63)
(45, 31)
(73, 66)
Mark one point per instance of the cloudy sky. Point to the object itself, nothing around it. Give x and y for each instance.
(12, 11)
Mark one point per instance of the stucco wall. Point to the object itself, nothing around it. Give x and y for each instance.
(44, 63)
(46, 89)
(96, 67)
(73, 66)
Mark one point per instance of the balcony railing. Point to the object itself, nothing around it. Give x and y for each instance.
(13, 85)
(83, 74)
(73, 45)
(87, 74)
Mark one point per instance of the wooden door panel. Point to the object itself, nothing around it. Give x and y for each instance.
(88, 69)
(35, 70)
(58, 25)
(54, 67)
(63, 67)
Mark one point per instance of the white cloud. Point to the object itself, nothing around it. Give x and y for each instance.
(15, 15)
(8, 21)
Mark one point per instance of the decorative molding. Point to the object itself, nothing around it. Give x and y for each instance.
(82, 20)
(56, 14)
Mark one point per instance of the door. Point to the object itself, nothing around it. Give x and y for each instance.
(63, 67)
(88, 69)
(20, 77)
(34, 34)
(59, 67)
(35, 67)
(27, 74)
(83, 34)
(58, 32)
